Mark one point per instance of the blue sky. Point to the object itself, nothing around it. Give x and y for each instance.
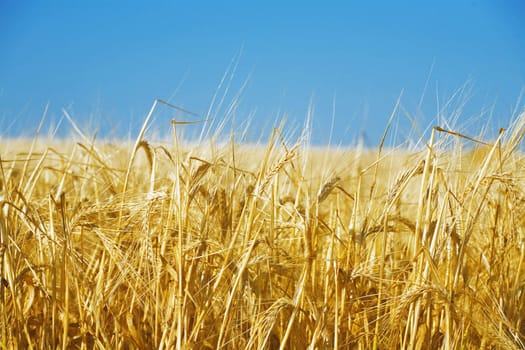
(106, 61)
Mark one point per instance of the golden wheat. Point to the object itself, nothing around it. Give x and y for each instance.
(262, 247)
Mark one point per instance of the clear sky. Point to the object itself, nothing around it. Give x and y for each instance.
(106, 61)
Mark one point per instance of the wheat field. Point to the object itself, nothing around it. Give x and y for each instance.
(280, 245)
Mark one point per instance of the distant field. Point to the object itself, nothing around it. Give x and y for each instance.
(151, 245)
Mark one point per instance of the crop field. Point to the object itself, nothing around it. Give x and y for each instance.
(278, 245)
